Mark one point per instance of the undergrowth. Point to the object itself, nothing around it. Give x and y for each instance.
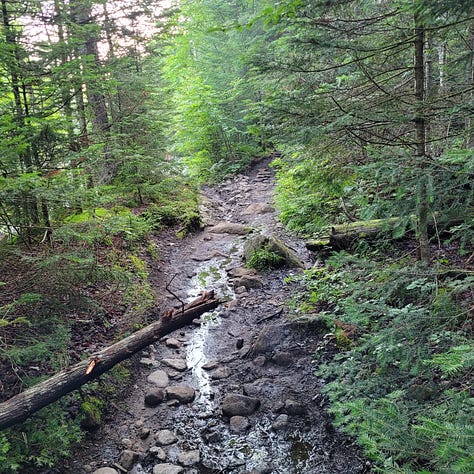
(62, 301)
(402, 380)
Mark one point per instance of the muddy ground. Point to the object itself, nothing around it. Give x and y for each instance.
(247, 400)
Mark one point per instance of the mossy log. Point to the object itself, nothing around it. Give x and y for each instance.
(342, 236)
(23, 405)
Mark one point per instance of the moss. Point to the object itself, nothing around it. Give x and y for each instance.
(91, 412)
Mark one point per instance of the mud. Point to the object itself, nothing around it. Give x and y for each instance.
(252, 345)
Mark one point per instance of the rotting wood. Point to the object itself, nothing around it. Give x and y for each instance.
(23, 405)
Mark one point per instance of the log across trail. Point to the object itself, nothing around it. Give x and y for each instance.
(23, 405)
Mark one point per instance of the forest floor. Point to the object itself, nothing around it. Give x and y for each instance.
(252, 359)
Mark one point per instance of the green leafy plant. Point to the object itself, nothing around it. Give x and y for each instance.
(263, 259)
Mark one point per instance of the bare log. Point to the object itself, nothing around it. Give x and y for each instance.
(23, 405)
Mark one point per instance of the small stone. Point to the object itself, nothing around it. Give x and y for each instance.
(144, 433)
(159, 378)
(190, 458)
(197, 322)
(158, 452)
(105, 470)
(128, 458)
(240, 290)
(238, 424)
(176, 364)
(183, 394)
(239, 344)
(172, 403)
(259, 361)
(221, 373)
(167, 468)
(280, 423)
(127, 443)
(173, 343)
(294, 408)
(147, 362)
(165, 437)
(237, 404)
(154, 397)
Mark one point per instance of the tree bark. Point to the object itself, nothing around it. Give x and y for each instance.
(420, 136)
(23, 405)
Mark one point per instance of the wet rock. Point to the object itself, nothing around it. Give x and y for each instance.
(105, 470)
(147, 362)
(190, 458)
(230, 228)
(144, 433)
(283, 359)
(127, 443)
(237, 404)
(259, 361)
(280, 423)
(128, 458)
(270, 339)
(159, 378)
(293, 407)
(154, 397)
(173, 343)
(211, 365)
(240, 290)
(165, 437)
(176, 364)
(238, 424)
(167, 468)
(158, 452)
(248, 281)
(238, 272)
(274, 245)
(221, 372)
(257, 208)
(183, 394)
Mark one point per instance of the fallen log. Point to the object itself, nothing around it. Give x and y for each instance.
(23, 405)
(342, 236)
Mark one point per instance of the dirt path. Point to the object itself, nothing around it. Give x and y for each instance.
(250, 359)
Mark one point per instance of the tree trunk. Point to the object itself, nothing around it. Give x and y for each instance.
(420, 138)
(23, 405)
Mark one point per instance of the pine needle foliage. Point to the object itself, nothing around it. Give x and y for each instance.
(402, 385)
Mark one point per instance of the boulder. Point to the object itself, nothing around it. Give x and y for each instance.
(183, 394)
(248, 282)
(274, 245)
(236, 404)
(167, 468)
(165, 437)
(238, 424)
(190, 458)
(159, 378)
(173, 343)
(105, 470)
(257, 208)
(280, 423)
(128, 458)
(230, 228)
(176, 364)
(154, 397)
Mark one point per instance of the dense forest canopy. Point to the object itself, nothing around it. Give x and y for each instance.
(111, 115)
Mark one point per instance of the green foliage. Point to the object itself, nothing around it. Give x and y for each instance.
(264, 259)
(40, 441)
(406, 343)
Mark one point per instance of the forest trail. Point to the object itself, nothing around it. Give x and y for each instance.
(250, 358)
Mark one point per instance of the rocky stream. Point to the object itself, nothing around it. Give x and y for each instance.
(236, 392)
